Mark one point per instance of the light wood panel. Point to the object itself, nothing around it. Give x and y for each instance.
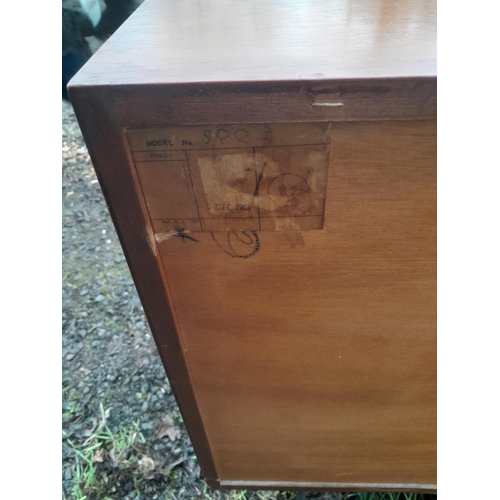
(313, 360)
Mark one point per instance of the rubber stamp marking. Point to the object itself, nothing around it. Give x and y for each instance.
(238, 244)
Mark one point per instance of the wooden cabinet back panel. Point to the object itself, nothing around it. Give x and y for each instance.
(313, 358)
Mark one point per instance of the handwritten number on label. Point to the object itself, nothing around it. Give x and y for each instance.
(240, 135)
(222, 134)
(267, 131)
(206, 137)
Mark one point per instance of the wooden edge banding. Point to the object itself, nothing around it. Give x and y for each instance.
(412, 98)
(285, 486)
(107, 151)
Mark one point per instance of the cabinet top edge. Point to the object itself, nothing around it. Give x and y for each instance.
(225, 41)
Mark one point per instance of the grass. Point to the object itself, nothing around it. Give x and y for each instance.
(89, 477)
(279, 495)
(385, 496)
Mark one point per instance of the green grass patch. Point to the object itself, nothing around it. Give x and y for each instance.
(104, 457)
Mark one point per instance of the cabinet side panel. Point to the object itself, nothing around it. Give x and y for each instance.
(96, 112)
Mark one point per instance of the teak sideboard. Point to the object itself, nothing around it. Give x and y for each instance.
(270, 168)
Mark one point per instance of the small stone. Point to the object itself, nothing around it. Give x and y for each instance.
(146, 426)
(144, 406)
(83, 292)
(99, 298)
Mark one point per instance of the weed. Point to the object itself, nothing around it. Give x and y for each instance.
(383, 496)
(71, 408)
(89, 476)
(237, 495)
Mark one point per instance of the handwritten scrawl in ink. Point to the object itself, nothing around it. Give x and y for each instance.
(238, 244)
(183, 236)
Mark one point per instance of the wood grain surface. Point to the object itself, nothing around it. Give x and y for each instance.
(299, 358)
(313, 360)
(262, 40)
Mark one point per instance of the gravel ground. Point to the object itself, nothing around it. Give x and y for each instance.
(109, 356)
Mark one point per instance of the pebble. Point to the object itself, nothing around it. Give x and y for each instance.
(99, 298)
